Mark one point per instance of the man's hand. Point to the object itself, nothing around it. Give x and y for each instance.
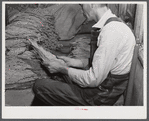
(71, 62)
(56, 66)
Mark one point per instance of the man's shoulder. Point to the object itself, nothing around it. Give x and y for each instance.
(116, 26)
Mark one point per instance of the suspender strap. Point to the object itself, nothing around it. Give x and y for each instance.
(94, 37)
(113, 19)
(93, 44)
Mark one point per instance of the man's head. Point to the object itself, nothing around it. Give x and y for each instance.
(94, 11)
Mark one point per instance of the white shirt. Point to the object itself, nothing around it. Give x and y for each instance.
(114, 53)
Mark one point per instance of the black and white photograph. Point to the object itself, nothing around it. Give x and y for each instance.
(74, 59)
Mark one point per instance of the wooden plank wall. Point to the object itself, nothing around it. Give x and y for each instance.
(137, 93)
(114, 8)
(138, 28)
(125, 11)
(132, 14)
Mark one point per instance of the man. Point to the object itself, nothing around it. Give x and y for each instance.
(106, 80)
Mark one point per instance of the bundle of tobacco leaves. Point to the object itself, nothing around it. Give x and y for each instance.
(21, 72)
(80, 47)
(16, 70)
(43, 54)
(22, 66)
(33, 25)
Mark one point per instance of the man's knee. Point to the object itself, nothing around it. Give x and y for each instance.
(40, 84)
(37, 84)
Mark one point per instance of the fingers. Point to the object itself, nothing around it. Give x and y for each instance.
(48, 66)
(44, 63)
(63, 58)
(60, 57)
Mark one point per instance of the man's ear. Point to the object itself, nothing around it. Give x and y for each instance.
(94, 6)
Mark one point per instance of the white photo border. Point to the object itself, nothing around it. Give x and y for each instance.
(74, 112)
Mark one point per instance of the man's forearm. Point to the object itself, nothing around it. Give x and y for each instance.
(64, 69)
(79, 63)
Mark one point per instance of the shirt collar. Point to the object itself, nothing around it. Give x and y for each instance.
(108, 14)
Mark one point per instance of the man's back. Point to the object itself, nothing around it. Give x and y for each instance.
(120, 37)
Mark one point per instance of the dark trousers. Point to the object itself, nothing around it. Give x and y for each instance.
(63, 92)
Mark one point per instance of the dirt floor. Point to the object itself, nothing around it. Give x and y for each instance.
(19, 97)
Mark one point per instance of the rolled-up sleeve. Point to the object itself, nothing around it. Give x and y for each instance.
(109, 41)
